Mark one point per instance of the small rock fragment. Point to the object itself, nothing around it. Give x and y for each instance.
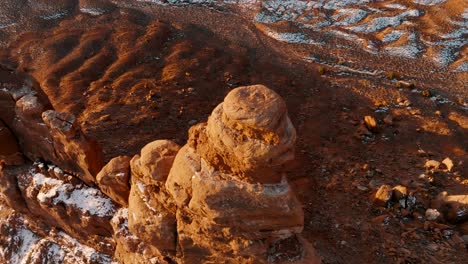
(432, 164)
(370, 122)
(432, 214)
(362, 188)
(448, 163)
(383, 195)
(400, 192)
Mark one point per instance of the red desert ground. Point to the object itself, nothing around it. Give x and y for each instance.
(233, 131)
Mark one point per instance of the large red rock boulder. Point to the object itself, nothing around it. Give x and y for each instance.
(233, 200)
(114, 179)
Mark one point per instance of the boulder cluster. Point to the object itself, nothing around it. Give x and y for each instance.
(221, 198)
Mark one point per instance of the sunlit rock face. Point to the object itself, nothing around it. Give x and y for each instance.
(222, 197)
(232, 199)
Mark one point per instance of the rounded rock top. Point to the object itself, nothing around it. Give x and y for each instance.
(255, 106)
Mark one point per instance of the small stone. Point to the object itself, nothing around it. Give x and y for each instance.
(383, 195)
(370, 122)
(432, 214)
(447, 233)
(400, 192)
(426, 93)
(432, 164)
(448, 163)
(362, 188)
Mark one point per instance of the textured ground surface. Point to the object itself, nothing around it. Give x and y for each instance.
(151, 69)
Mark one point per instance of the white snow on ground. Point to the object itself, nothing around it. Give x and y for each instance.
(294, 38)
(380, 23)
(348, 16)
(88, 200)
(25, 240)
(396, 6)
(359, 16)
(7, 25)
(24, 246)
(54, 16)
(408, 51)
(393, 36)
(463, 67)
(429, 2)
(92, 11)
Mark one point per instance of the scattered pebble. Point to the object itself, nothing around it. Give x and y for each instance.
(362, 188)
(370, 122)
(432, 214)
(432, 164)
(383, 195)
(400, 192)
(448, 163)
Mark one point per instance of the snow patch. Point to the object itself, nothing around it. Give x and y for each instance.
(396, 6)
(349, 16)
(380, 23)
(429, 2)
(25, 240)
(408, 51)
(393, 36)
(54, 16)
(92, 11)
(88, 200)
(293, 38)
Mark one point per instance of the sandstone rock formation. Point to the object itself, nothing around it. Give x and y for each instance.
(44, 134)
(233, 201)
(222, 198)
(65, 202)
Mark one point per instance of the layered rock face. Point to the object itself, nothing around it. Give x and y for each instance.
(222, 198)
(44, 134)
(227, 181)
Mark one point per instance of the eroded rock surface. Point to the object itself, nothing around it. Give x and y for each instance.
(65, 202)
(233, 201)
(224, 197)
(114, 179)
